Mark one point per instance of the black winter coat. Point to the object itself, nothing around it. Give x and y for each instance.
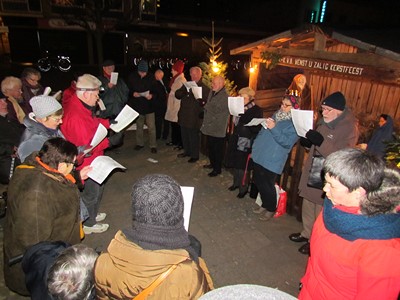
(238, 151)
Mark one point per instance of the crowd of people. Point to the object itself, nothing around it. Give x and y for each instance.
(53, 203)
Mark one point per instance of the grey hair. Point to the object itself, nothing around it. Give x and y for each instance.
(9, 83)
(71, 276)
(195, 68)
(30, 71)
(356, 168)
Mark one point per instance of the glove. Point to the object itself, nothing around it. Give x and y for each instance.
(116, 139)
(306, 143)
(81, 155)
(315, 137)
(113, 121)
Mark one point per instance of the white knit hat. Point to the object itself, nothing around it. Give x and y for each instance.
(44, 106)
(87, 82)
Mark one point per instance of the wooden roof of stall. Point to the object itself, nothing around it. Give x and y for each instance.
(318, 50)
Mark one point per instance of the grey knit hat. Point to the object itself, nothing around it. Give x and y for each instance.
(157, 200)
(44, 106)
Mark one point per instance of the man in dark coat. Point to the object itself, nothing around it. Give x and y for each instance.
(190, 115)
(10, 134)
(140, 99)
(160, 96)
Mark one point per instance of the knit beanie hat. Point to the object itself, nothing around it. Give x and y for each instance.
(143, 66)
(157, 200)
(178, 66)
(44, 106)
(336, 101)
(248, 91)
(108, 62)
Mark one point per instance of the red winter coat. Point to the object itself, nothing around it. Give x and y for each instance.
(360, 269)
(79, 127)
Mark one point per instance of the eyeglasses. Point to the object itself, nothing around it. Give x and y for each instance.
(326, 109)
(100, 89)
(285, 105)
(58, 120)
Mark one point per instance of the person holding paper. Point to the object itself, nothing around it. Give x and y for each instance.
(190, 115)
(271, 149)
(140, 84)
(173, 105)
(79, 126)
(241, 141)
(155, 241)
(336, 130)
(216, 115)
(41, 124)
(160, 96)
(115, 94)
(43, 205)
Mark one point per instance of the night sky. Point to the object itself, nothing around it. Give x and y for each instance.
(278, 15)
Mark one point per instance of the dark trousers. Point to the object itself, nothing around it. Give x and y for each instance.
(176, 137)
(162, 125)
(265, 182)
(91, 196)
(216, 152)
(238, 175)
(191, 141)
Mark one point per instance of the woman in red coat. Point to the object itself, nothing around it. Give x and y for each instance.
(355, 243)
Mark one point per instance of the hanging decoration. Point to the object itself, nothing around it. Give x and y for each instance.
(271, 59)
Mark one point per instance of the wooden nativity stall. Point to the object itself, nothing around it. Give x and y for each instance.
(367, 75)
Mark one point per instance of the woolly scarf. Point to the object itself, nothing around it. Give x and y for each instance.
(356, 226)
(173, 79)
(69, 177)
(282, 116)
(154, 237)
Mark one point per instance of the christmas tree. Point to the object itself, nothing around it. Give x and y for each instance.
(214, 67)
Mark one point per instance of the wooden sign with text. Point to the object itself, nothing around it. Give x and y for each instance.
(342, 69)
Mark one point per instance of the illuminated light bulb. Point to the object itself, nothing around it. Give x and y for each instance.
(215, 69)
(214, 63)
(252, 70)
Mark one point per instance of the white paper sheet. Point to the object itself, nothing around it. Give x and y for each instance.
(101, 105)
(100, 134)
(255, 122)
(197, 92)
(114, 77)
(124, 118)
(190, 84)
(236, 105)
(144, 94)
(102, 167)
(187, 192)
(302, 121)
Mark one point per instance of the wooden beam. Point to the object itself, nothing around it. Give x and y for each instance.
(319, 42)
(364, 59)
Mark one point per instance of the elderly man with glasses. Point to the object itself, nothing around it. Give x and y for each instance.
(79, 126)
(336, 130)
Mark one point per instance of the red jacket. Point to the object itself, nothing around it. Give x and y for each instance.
(360, 269)
(79, 127)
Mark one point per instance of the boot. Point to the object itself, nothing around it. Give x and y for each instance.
(267, 216)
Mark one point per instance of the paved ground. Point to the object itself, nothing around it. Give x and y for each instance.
(237, 247)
